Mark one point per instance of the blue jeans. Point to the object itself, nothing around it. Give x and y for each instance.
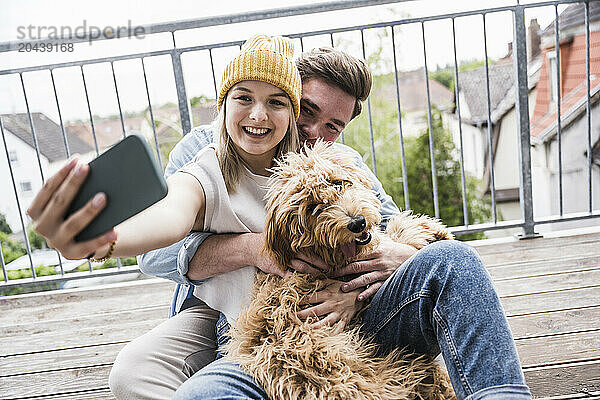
(440, 300)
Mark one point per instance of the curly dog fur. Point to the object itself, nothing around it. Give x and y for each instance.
(314, 200)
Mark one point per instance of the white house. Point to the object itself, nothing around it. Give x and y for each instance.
(573, 116)
(543, 122)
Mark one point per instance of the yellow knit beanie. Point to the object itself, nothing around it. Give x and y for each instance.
(266, 59)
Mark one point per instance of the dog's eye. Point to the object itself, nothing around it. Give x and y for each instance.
(339, 184)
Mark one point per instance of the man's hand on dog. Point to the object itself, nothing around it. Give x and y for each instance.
(375, 268)
(306, 263)
(331, 306)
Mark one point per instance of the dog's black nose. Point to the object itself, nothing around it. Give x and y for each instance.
(358, 224)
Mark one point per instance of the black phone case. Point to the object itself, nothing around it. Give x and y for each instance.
(131, 179)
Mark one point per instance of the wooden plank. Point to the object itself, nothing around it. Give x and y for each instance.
(80, 331)
(551, 301)
(538, 243)
(537, 284)
(562, 380)
(555, 322)
(55, 382)
(46, 361)
(102, 394)
(507, 271)
(549, 350)
(58, 306)
(534, 254)
(95, 292)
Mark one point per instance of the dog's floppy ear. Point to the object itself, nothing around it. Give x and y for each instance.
(276, 245)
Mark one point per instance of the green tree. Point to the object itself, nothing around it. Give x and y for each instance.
(445, 75)
(388, 161)
(448, 176)
(4, 227)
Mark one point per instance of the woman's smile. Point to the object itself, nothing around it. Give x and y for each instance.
(256, 132)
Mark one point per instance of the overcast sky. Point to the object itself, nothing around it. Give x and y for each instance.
(73, 13)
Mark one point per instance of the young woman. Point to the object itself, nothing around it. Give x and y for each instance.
(223, 188)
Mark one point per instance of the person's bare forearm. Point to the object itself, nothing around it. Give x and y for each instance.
(223, 253)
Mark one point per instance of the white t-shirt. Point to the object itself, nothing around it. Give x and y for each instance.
(239, 212)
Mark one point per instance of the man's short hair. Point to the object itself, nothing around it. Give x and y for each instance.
(349, 73)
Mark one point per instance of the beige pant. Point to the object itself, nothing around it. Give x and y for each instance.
(156, 363)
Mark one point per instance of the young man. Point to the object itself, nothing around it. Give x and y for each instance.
(439, 299)
(146, 367)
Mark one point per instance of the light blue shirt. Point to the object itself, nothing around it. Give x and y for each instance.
(172, 262)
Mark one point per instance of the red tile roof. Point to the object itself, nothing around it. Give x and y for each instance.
(573, 81)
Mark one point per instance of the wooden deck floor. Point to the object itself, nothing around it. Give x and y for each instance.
(62, 345)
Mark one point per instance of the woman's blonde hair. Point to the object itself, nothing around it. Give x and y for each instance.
(230, 161)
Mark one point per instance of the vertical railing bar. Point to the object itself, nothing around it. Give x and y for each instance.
(34, 136)
(489, 123)
(558, 125)
(87, 99)
(66, 143)
(460, 132)
(39, 159)
(522, 112)
(301, 44)
(342, 135)
(374, 160)
(402, 155)
(436, 205)
(185, 112)
(62, 126)
(151, 112)
(588, 105)
(12, 177)
(112, 68)
(212, 68)
(5, 274)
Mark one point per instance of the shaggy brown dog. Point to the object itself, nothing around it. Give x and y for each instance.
(320, 202)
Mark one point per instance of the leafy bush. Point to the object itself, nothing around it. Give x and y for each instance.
(110, 263)
(10, 248)
(25, 273)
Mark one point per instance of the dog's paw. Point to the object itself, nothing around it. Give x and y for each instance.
(417, 230)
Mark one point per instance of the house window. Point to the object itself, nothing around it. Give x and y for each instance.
(552, 76)
(26, 186)
(12, 156)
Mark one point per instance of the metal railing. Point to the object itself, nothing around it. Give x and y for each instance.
(527, 222)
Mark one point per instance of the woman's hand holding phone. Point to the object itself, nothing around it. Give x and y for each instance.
(49, 208)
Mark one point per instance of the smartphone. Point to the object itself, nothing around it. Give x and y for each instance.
(131, 179)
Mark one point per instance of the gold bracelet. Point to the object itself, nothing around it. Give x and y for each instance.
(107, 256)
